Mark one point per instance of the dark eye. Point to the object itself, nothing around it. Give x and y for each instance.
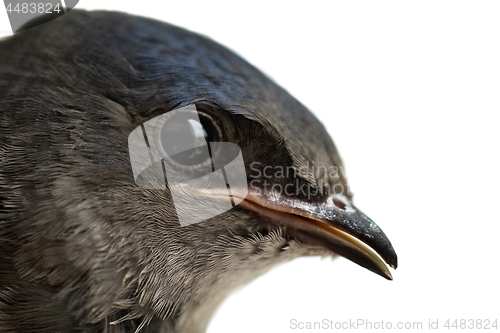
(184, 138)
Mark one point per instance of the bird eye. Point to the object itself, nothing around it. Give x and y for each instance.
(185, 138)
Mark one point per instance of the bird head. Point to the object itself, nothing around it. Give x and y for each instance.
(101, 251)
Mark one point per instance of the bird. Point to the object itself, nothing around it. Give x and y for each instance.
(84, 248)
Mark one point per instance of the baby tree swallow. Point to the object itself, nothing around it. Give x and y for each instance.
(147, 171)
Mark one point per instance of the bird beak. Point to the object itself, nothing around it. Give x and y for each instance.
(336, 225)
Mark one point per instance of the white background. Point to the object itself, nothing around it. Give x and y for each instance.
(409, 92)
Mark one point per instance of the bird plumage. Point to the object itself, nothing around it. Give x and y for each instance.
(82, 248)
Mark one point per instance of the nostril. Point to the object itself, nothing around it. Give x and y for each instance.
(339, 203)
